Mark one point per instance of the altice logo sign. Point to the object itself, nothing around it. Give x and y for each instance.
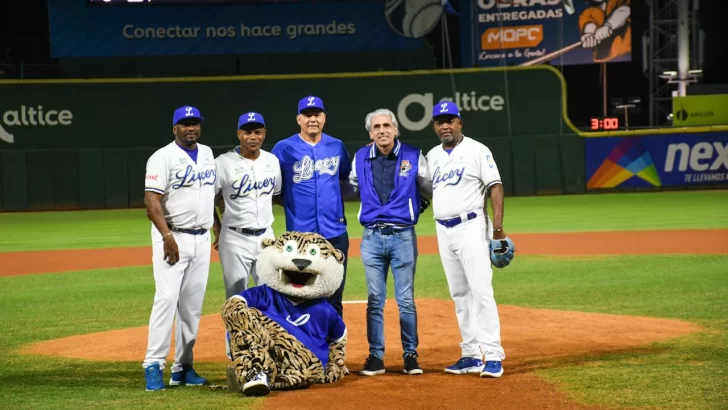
(29, 116)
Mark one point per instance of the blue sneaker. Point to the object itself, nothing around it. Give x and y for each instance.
(187, 377)
(153, 376)
(466, 365)
(492, 369)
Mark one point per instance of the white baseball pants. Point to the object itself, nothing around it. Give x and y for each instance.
(180, 292)
(238, 253)
(466, 261)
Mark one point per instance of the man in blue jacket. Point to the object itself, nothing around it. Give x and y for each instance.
(315, 169)
(390, 178)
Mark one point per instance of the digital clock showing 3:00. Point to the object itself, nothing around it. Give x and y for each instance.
(608, 123)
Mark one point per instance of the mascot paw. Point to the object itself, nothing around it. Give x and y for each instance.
(502, 252)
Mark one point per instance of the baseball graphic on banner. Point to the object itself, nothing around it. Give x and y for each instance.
(413, 18)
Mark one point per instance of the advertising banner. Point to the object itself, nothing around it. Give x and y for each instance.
(711, 109)
(659, 160)
(557, 32)
(146, 29)
(131, 113)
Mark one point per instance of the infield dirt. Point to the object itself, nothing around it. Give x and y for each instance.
(533, 338)
(698, 241)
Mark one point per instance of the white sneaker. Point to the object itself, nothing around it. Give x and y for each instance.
(257, 385)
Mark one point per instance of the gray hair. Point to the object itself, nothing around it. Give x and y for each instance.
(381, 111)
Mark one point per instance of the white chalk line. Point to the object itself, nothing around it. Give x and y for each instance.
(352, 302)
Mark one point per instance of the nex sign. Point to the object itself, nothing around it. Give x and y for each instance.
(496, 38)
(716, 155)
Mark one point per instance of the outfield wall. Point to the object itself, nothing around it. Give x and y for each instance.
(67, 144)
(681, 159)
(83, 144)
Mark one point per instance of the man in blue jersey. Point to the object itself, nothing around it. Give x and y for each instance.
(315, 168)
(390, 178)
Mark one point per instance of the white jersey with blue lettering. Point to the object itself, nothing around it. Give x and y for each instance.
(188, 197)
(187, 188)
(461, 177)
(459, 182)
(247, 187)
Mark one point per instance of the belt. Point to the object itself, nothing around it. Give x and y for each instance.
(387, 229)
(449, 223)
(188, 231)
(246, 231)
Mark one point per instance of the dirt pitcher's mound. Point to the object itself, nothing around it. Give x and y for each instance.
(533, 339)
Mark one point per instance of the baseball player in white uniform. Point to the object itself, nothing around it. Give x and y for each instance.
(247, 179)
(463, 171)
(179, 197)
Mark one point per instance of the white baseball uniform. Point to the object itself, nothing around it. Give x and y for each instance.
(188, 194)
(247, 186)
(459, 182)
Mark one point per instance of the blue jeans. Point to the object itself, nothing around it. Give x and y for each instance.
(379, 251)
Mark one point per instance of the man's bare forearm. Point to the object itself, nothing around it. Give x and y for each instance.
(220, 203)
(278, 199)
(153, 203)
(496, 202)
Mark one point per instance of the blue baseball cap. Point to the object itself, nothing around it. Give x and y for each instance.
(251, 118)
(310, 102)
(445, 108)
(185, 112)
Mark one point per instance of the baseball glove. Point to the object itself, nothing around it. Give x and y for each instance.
(502, 252)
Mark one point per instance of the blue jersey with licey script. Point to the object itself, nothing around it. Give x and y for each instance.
(312, 176)
(314, 323)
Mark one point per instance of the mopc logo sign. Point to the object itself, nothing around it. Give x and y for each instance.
(466, 101)
(32, 117)
(495, 38)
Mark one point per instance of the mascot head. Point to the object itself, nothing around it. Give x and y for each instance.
(302, 265)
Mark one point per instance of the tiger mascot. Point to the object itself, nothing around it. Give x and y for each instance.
(283, 334)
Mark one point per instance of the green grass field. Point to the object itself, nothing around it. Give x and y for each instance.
(686, 373)
(672, 210)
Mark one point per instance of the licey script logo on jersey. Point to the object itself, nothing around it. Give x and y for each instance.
(245, 186)
(451, 177)
(189, 176)
(303, 170)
